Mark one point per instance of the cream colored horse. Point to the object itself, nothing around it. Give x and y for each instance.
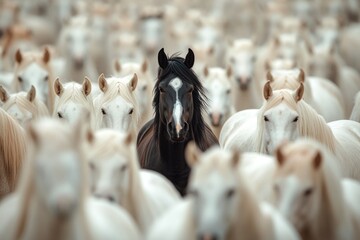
(217, 82)
(116, 107)
(285, 116)
(34, 69)
(116, 176)
(52, 194)
(23, 106)
(145, 85)
(12, 152)
(71, 101)
(310, 193)
(220, 204)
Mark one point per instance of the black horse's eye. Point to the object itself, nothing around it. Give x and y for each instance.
(103, 111)
(296, 119)
(161, 90)
(20, 79)
(60, 115)
(266, 119)
(191, 90)
(131, 111)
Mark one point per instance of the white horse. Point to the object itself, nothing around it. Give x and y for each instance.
(241, 56)
(75, 42)
(323, 62)
(52, 192)
(324, 96)
(220, 204)
(355, 114)
(34, 69)
(285, 116)
(116, 106)
(116, 176)
(217, 82)
(311, 194)
(23, 106)
(145, 85)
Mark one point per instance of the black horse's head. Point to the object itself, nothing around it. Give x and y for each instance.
(178, 98)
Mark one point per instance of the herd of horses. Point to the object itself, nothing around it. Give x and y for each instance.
(105, 135)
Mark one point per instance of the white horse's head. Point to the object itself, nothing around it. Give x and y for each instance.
(297, 183)
(73, 99)
(76, 44)
(111, 165)
(218, 86)
(241, 56)
(214, 187)
(33, 70)
(279, 116)
(23, 106)
(116, 107)
(57, 165)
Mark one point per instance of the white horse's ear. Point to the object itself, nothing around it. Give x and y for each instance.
(301, 75)
(46, 56)
(103, 85)
(235, 159)
(269, 76)
(58, 87)
(31, 94)
(268, 92)
(299, 93)
(144, 66)
(4, 96)
(18, 56)
(317, 160)
(86, 86)
(192, 153)
(133, 82)
(229, 71)
(117, 66)
(206, 71)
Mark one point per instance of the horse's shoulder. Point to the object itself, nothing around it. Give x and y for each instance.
(144, 131)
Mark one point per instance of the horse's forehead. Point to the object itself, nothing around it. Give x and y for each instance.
(176, 84)
(119, 102)
(282, 109)
(112, 160)
(34, 68)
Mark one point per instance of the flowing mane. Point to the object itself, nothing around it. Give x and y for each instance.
(12, 152)
(177, 68)
(310, 124)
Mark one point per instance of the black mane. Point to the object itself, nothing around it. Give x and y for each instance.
(177, 68)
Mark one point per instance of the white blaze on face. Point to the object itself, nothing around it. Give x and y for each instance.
(176, 84)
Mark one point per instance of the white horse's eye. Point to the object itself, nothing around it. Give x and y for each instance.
(103, 111)
(20, 79)
(144, 88)
(266, 119)
(308, 192)
(123, 168)
(296, 119)
(277, 188)
(92, 166)
(60, 115)
(230, 193)
(46, 78)
(228, 91)
(131, 111)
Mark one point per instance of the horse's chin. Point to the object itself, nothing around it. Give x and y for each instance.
(177, 139)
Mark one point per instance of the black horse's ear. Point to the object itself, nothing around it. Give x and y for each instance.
(189, 59)
(162, 59)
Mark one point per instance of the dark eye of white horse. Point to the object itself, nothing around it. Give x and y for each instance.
(131, 111)
(103, 111)
(308, 192)
(92, 166)
(144, 88)
(46, 78)
(266, 119)
(20, 79)
(276, 188)
(123, 168)
(296, 119)
(60, 115)
(228, 91)
(230, 193)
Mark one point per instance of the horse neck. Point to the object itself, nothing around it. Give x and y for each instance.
(249, 223)
(41, 224)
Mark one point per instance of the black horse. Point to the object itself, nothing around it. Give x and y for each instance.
(179, 102)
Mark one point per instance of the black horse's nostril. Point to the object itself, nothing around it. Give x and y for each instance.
(186, 127)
